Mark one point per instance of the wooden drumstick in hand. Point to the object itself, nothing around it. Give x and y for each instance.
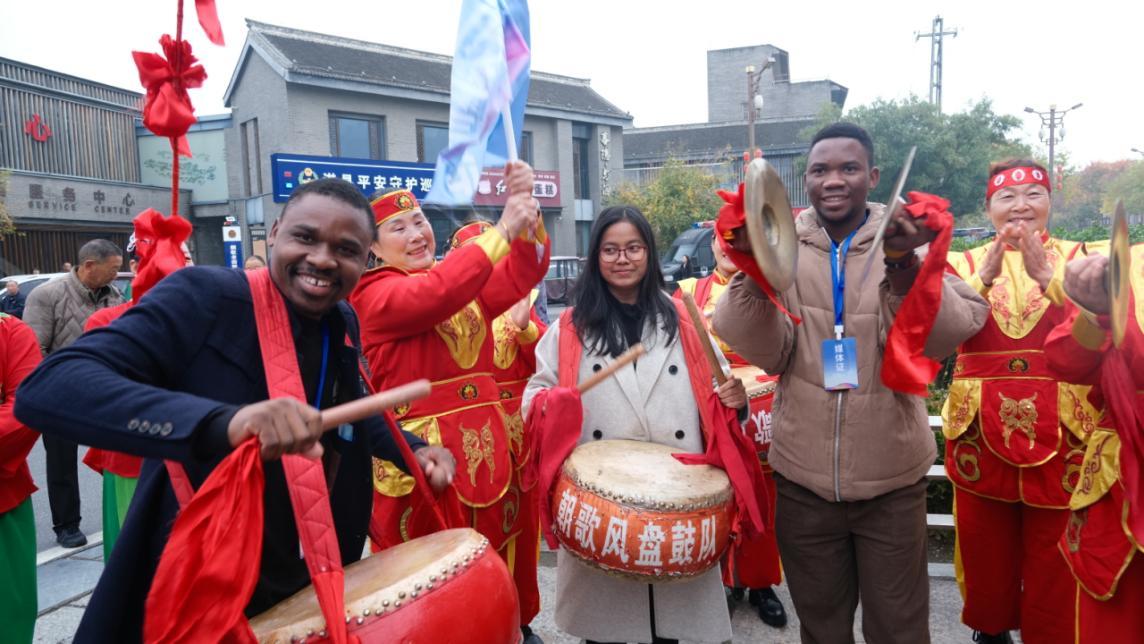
(704, 339)
(376, 404)
(635, 351)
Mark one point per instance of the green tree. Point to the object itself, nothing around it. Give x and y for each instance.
(1127, 186)
(1082, 197)
(7, 226)
(679, 196)
(954, 150)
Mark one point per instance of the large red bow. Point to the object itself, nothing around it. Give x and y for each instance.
(159, 245)
(904, 367)
(167, 110)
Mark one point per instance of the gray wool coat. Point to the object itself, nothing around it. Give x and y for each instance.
(650, 401)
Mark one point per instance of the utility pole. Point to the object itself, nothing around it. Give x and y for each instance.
(754, 100)
(1054, 119)
(935, 63)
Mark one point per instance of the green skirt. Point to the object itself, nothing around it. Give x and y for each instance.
(117, 493)
(18, 603)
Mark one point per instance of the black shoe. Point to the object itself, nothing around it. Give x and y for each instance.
(738, 593)
(71, 538)
(771, 610)
(529, 637)
(986, 638)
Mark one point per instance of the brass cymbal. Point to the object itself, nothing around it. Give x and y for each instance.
(770, 224)
(1119, 269)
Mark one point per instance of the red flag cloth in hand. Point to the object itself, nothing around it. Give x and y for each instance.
(554, 420)
(904, 367)
(210, 565)
(159, 245)
(732, 216)
(1116, 384)
(208, 20)
(167, 109)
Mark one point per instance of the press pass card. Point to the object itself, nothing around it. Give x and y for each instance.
(840, 364)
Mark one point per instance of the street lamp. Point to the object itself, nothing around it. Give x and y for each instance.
(754, 100)
(1055, 120)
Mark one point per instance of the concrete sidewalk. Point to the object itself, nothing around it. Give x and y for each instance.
(66, 579)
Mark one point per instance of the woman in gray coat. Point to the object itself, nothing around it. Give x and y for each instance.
(619, 301)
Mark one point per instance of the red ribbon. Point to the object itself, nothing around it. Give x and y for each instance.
(167, 109)
(159, 245)
(208, 20)
(904, 367)
(554, 420)
(1117, 386)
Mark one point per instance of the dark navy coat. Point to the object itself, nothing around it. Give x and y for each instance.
(161, 382)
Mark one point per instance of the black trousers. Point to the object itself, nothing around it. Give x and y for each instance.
(63, 481)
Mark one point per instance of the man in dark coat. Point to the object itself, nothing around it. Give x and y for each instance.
(12, 302)
(179, 376)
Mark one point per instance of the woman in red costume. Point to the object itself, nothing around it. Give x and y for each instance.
(1015, 433)
(1105, 530)
(426, 319)
(751, 563)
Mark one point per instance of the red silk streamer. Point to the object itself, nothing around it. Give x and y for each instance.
(208, 20)
(554, 420)
(728, 448)
(210, 565)
(732, 217)
(904, 367)
(1116, 384)
(159, 245)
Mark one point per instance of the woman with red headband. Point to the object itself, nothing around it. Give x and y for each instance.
(1015, 435)
(421, 318)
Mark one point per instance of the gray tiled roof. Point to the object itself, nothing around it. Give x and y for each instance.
(315, 54)
(709, 141)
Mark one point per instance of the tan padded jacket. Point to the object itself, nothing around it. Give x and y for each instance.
(58, 309)
(859, 444)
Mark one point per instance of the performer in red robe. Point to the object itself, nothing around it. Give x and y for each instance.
(1015, 433)
(1103, 533)
(422, 318)
(751, 563)
(511, 342)
(19, 355)
(159, 246)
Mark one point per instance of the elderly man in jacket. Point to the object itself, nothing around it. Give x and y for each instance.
(849, 464)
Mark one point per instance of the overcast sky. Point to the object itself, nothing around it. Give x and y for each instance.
(648, 57)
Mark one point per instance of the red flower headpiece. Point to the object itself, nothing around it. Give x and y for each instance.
(392, 204)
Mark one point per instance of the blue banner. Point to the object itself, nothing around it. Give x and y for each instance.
(491, 64)
(370, 176)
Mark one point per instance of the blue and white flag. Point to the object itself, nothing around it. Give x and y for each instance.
(490, 80)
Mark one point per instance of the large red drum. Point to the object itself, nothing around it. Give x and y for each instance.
(412, 592)
(631, 509)
(761, 396)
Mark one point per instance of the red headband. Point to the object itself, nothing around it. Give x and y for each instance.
(1016, 177)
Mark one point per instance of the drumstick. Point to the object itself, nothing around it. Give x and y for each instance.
(704, 339)
(635, 351)
(356, 410)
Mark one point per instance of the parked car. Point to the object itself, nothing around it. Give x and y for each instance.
(689, 255)
(562, 274)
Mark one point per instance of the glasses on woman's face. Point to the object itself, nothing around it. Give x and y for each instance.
(634, 252)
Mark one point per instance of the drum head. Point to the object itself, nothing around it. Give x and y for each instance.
(750, 376)
(643, 474)
(396, 571)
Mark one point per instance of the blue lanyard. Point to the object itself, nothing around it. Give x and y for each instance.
(325, 360)
(838, 277)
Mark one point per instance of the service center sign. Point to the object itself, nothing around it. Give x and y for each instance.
(371, 176)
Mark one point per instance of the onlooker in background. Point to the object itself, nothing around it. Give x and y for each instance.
(12, 302)
(57, 311)
(253, 262)
(67, 266)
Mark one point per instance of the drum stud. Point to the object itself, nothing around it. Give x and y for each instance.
(349, 618)
(360, 621)
(310, 633)
(417, 586)
(432, 578)
(414, 593)
(322, 634)
(385, 603)
(365, 613)
(397, 604)
(401, 595)
(429, 586)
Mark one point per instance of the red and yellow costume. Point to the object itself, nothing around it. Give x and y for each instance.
(750, 562)
(1015, 437)
(1101, 538)
(435, 323)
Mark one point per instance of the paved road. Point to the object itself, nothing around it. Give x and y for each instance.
(91, 498)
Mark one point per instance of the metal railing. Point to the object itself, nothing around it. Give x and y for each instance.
(937, 473)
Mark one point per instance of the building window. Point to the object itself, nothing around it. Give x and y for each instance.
(583, 237)
(432, 139)
(525, 151)
(356, 136)
(580, 174)
(251, 158)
